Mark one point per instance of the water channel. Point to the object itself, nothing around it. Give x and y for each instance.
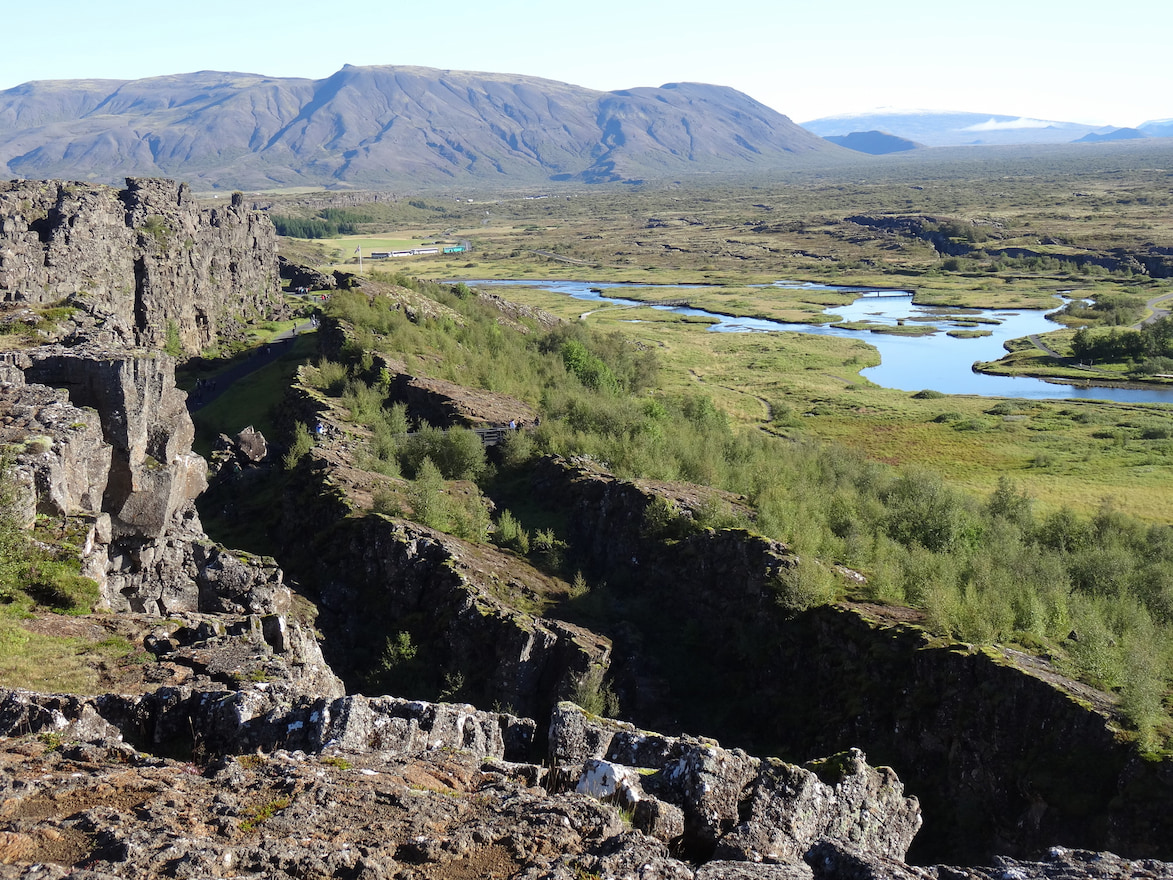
(907, 363)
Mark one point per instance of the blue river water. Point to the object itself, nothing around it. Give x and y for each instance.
(908, 363)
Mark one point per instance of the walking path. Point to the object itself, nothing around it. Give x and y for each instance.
(1158, 313)
(210, 389)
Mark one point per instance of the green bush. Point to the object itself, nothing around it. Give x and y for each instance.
(591, 692)
(510, 534)
(301, 443)
(458, 453)
(429, 503)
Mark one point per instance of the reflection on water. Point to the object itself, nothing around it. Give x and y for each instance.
(909, 363)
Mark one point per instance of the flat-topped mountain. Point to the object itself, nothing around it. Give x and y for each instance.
(939, 128)
(386, 125)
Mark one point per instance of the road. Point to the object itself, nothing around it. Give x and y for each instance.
(1158, 312)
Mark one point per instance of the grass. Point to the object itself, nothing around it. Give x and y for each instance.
(252, 399)
(55, 664)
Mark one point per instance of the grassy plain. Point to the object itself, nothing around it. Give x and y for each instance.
(726, 239)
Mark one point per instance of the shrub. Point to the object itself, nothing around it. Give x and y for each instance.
(807, 584)
(591, 692)
(458, 453)
(173, 345)
(301, 443)
(429, 503)
(510, 534)
(327, 376)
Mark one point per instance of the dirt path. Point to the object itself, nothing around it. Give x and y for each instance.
(211, 389)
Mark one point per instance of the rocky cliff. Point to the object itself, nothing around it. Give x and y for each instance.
(145, 265)
(468, 612)
(1007, 754)
(103, 436)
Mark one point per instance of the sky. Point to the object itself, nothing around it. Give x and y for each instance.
(1063, 60)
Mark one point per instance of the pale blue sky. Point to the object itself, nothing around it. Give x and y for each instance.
(1067, 60)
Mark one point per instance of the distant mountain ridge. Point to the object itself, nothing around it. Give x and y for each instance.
(380, 126)
(948, 128)
(874, 143)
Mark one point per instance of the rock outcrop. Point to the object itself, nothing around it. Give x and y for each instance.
(104, 435)
(386, 788)
(376, 577)
(736, 807)
(143, 266)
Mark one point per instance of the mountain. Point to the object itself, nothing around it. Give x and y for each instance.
(1158, 128)
(874, 143)
(386, 125)
(1116, 134)
(952, 129)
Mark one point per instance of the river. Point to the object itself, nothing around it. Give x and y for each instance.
(908, 363)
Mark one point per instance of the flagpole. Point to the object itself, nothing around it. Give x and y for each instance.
(358, 250)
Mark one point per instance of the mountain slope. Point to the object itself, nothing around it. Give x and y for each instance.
(386, 125)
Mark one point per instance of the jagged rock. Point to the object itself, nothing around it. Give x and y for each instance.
(658, 819)
(379, 798)
(376, 575)
(139, 263)
(252, 445)
(447, 404)
(831, 860)
(153, 472)
(304, 276)
(576, 737)
(237, 583)
(707, 782)
(718, 870)
(736, 807)
(105, 435)
(791, 807)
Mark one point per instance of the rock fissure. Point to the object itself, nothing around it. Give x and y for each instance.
(242, 751)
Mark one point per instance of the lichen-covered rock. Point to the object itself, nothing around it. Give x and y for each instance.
(104, 435)
(734, 806)
(576, 737)
(846, 800)
(658, 819)
(612, 782)
(720, 870)
(140, 264)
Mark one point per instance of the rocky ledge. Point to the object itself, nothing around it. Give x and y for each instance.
(417, 790)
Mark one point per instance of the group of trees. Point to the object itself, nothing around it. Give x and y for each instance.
(1096, 593)
(329, 223)
(1149, 349)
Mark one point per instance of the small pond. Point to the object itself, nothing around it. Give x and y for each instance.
(909, 363)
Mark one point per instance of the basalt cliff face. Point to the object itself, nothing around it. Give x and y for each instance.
(139, 263)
